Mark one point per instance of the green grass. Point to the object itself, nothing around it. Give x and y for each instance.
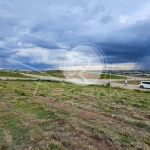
(55, 73)
(130, 82)
(12, 74)
(59, 74)
(111, 76)
(127, 140)
(22, 93)
(67, 116)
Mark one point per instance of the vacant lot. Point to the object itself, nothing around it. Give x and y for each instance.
(86, 74)
(54, 73)
(55, 115)
(131, 82)
(12, 74)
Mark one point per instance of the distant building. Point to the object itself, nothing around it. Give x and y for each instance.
(26, 71)
(132, 73)
(148, 75)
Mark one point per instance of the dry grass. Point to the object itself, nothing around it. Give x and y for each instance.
(67, 116)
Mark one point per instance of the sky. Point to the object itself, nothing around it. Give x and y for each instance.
(40, 34)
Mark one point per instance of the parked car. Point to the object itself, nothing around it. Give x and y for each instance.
(145, 84)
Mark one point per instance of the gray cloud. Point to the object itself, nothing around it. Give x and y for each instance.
(58, 24)
(106, 19)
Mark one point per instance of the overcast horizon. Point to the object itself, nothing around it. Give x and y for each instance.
(40, 34)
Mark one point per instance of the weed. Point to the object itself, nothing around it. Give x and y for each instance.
(102, 94)
(54, 145)
(19, 102)
(137, 90)
(124, 98)
(21, 93)
(127, 140)
(64, 113)
(107, 85)
(139, 105)
(146, 139)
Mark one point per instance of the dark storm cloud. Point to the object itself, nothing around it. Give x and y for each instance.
(54, 25)
(124, 52)
(132, 43)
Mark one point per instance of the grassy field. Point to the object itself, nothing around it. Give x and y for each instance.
(61, 116)
(137, 82)
(130, 82)
(12, 74)
(54, 73)
(148, 77)
(111, 76)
